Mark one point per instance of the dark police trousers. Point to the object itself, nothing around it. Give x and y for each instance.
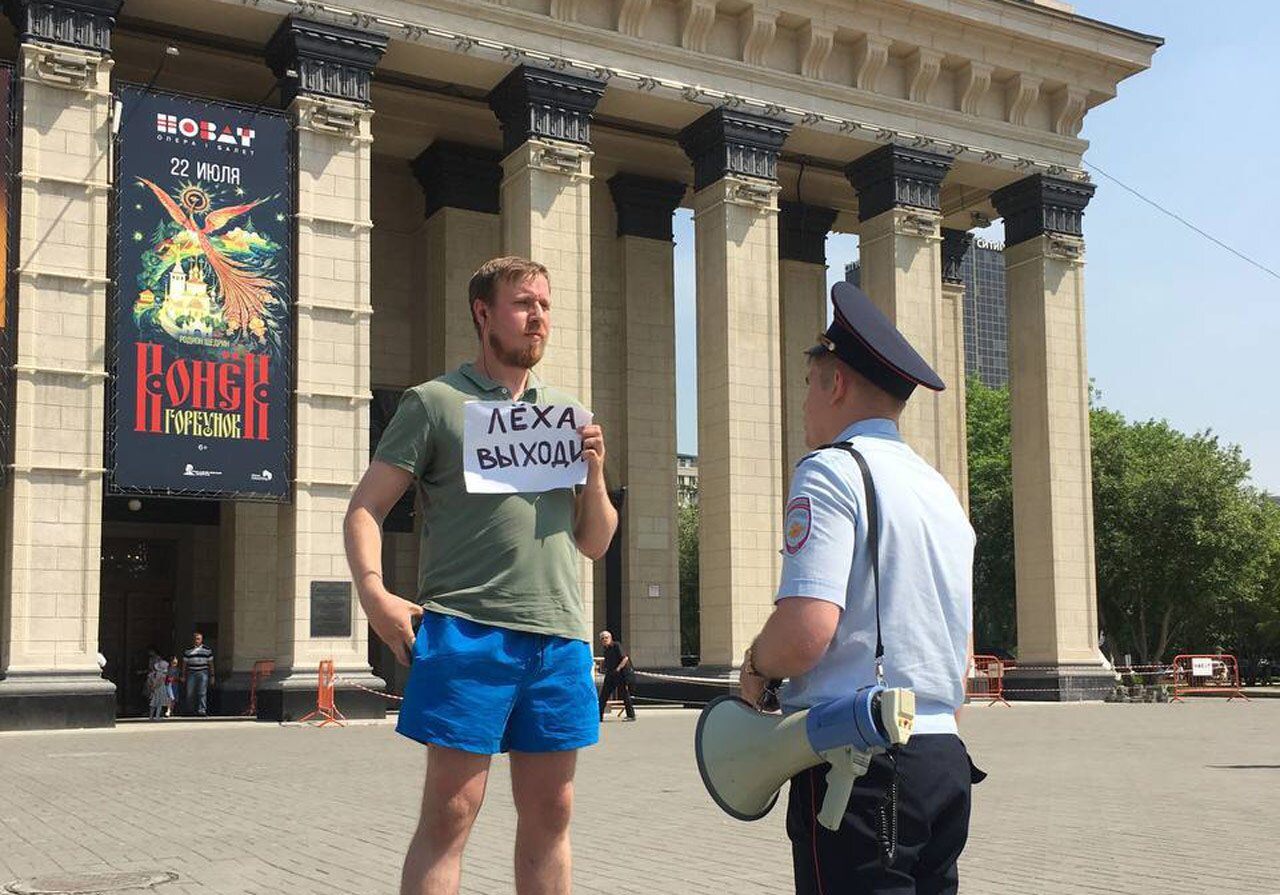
(934, 777)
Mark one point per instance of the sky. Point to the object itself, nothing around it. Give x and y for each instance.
(1178, 327)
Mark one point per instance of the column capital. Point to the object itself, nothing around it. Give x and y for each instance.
(539, 103)
(955, 245)
(802, 231)
(725, 141)
(1040, 205)
(895, 176)
(85, 24)
(456, 175)
(321, 59)
(645, 205)
(331, 117)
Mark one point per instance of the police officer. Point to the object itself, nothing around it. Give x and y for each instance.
(908, 818)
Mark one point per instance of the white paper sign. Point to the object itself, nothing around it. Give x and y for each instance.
(515, 448)
(1202, 668)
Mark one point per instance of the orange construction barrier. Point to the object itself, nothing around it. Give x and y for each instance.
(261, 669)
(324, 698)
(986, 680)
(1215, 674)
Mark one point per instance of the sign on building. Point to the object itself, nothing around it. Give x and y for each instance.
(203, 298)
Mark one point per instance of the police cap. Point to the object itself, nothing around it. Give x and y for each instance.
(864, 339)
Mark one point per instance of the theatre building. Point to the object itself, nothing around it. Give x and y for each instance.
(238, 229)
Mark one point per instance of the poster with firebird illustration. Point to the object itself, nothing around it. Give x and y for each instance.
(203, 305)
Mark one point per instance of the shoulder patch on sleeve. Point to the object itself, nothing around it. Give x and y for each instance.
(798, 521)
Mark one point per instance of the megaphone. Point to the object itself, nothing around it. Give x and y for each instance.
(744, 756)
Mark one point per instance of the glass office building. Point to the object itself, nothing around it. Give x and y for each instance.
(986, 323)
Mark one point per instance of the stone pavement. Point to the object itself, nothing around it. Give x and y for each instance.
(1081, 799)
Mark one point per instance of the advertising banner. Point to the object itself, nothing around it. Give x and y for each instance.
(203, 304)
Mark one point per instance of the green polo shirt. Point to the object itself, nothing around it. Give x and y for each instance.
(507, 560)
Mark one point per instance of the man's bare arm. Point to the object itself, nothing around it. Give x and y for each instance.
(794, 639)
(390, 616)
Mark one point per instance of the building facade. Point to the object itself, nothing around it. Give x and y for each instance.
(986, 322)
(424, 136)
(687, 479)
(986, 325)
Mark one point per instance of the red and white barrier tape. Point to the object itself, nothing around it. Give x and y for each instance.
(682, 679)
(338, 677)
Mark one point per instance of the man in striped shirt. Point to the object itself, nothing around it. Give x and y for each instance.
(197, 674)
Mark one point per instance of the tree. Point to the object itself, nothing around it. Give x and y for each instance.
(1249, 626)
(991, 512)
(1187, 554)
(1173, 531)
(688, 545)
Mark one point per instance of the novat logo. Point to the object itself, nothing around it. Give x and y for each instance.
(209, 131)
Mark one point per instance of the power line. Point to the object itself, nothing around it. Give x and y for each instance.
(1186, 223)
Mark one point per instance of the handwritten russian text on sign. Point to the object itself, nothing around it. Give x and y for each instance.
(1201, 667)
(512, 448)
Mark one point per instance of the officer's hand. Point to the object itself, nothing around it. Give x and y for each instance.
(751, 689)
(392, 619)
(750, 686)
(593, 448)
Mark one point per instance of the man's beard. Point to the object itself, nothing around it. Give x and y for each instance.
(526, 358)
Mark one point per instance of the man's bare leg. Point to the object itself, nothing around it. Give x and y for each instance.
(542, 788)
(451, 799)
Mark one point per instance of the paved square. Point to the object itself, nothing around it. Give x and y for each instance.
(1081, 799)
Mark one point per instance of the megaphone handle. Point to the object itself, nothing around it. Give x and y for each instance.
(847, 765)
(839, 789)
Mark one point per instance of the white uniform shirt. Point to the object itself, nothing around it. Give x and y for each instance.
(926, 573)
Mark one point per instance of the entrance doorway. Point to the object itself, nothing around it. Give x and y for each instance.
(139, 587)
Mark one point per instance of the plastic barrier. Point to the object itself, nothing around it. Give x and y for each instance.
(263, 668)
(1209, 674)
(325, 709)
(986, 680)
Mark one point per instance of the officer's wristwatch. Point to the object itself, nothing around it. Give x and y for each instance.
(769, 698)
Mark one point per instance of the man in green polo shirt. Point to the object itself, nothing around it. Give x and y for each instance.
(500, 658)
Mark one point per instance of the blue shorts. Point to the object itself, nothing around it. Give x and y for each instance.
(484, 689)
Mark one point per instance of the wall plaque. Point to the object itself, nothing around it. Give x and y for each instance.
(330, 608)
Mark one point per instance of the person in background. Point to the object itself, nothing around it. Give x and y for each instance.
(197, 674)
(157, 687)
(171, 681)
(618, 674)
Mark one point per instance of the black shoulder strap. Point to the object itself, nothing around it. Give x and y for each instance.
(873, 529)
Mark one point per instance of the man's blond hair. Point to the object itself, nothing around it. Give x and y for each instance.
(507, 269)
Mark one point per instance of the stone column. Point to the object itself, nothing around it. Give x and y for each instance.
(898, 191)
(645, 452)
(740, 426)
(325, 72)
(546, 216)
(247, 596)
(52, 508)
(955, 244)
(463, 230)
(1052, 477)
(802, 269)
